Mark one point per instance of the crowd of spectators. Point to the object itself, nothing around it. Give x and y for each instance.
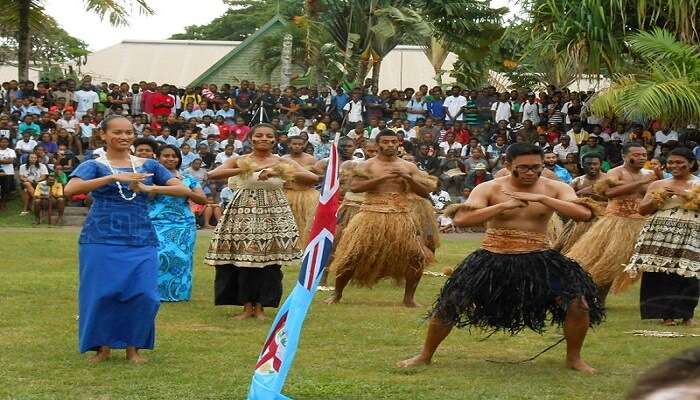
(458, 135)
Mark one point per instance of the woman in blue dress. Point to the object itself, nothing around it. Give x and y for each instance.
(176, 229)
(118, 248)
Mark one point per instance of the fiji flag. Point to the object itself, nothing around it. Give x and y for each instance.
(281, 344)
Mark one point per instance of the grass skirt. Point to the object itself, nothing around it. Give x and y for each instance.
(605, 249)
(555, 226)
(303, 204)
(425, 219)
(511, 292)
(572, 232)
(381, 241)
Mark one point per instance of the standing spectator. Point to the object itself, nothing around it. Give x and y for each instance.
(471, 110)
(7, 170)
(85, 100)
(416, 108)
(163, 103)
(454, 105)
(354, 109)
(531, 109)
(85, 128)
(147, 98)
(137, 97)
(436, 107)
(48, 193)
(502, 109)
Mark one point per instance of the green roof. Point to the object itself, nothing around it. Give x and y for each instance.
(277, 19)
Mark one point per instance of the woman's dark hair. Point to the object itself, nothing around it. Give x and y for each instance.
(686, 153)
(28, 163)
(522, 149)
(104, 124)
(174, 148)
(263, 125)
(149, 142)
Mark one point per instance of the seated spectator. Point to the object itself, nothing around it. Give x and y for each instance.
(48, 194)
(48, 144)
(450, 143)
(61, 176)
(323, 149)
(40, 152)
(654, 163)
(357, 131)
(675, 379)
(564, 148)
(577, 134)
(226, 196)
(240, 129)
(475, 177)
(208, 128)
(452, 173)
(427, 162)
(495, 151)
(592, 146)
(200, 174)
(571, 165)
(25, 147)
(467, 150)
(476, 157)
(225, 155)
(187, 156)
(29, 124)
(30, 174)
(166, 138)
(208, 214)
(543, 143)
(440, 198)
(551, 162)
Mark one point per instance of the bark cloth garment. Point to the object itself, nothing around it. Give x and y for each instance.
(380, 241)
(608, 245)
(513, 282)
(668, 254)
(303, 201)
(555, 227)
(255, 236)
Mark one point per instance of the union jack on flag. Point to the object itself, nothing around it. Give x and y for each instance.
(280, 347)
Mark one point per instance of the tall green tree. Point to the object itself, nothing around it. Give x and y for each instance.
(241, 20)
(29, 16)
(665, 85)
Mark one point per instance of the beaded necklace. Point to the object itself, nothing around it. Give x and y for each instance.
(119, 184)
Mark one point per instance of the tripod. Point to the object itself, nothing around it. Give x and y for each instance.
(260, 114)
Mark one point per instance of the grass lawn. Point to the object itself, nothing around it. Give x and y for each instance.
(347, 351)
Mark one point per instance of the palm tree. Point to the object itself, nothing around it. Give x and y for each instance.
(664, 84)
(29, 16)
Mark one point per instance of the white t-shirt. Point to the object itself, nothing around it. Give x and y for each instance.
(314, 139)
(237, 144)
(25, 147)
(502, 109)
(99, 152)
(440, 199)
(447, 147)
(295, 131)
(531, 112)
(454, 105)
(33, 173)
(69, 126)
(221, 157)
(7, 154)
(85, 100)
(662, 137)
(209, 130)
(355, 110)
(375, 132)
(86, 130)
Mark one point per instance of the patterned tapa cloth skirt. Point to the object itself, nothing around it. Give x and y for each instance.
(381, 241)
(605, 249)
(303, 204)
(668, 255)
(256, 235)
(515, 282)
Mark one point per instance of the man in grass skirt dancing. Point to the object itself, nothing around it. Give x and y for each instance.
(515, 279)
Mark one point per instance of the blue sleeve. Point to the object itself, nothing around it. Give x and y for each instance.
(192, 183)
(160, 174)
(86, 170)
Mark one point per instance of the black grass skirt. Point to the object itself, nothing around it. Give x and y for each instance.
(510, 292)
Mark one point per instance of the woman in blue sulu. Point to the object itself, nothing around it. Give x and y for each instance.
(118, 248)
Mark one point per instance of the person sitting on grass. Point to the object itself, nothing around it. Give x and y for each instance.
(30, 174)
(49, 194)
(208, 214)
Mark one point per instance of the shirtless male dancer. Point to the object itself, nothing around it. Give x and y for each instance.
(303, 198)
(514, 280)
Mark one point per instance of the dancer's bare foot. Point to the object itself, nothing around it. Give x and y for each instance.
(102, 354)
(335, 299)
(689, 322)
(243, 315)
(410, 303)
(580, 365)
(134, 357)
(260, 315)
(668, 322)
(414, 362)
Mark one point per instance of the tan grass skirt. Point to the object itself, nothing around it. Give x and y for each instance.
(607, 246)
(555, 227)
(303, 204)
(425, 219)
(381, 241)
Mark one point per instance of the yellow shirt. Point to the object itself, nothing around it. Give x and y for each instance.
(320, 127)
(42, 189)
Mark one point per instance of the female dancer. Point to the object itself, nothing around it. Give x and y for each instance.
(256, 233)
(118, 251)
(668, 248)
(176, 229)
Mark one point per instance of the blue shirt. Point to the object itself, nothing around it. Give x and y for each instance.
(169, 140)
(113, 220)
(230, 114)
(187, 159)
(340, 101)
(194, 114)
(436, 109)
(562, 173)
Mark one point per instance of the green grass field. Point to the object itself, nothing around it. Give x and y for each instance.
(347, 351)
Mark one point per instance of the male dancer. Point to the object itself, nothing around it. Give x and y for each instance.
(385, 214)
(303, 198)
(584, 187)
(515, 279)
(608, 245)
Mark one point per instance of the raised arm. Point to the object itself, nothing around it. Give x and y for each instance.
(227, 169)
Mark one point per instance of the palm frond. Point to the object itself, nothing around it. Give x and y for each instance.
(660, 44)
(117, 11)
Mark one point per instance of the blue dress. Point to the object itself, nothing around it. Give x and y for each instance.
(118, 252)
(176, 229)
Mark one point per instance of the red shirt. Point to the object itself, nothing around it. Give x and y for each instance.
(147, 102)
(241, 131)
(162, 104)
(552, 136)
(461, 136)
(224, 131)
